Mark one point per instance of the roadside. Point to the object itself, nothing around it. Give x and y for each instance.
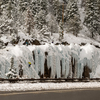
(47, 86)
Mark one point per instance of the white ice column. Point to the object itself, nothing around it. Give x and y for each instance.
(36, 61)
(81, 70)
(53, 67)
(67, 68)
(63, 65)
(70, 68)
(58, 67)
(41, 61)
(3, 70)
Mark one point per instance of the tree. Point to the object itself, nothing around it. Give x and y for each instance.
(12, 71)
(29, 21)
(92, 18)
(40, 19)
(36, 7)
(51, 23)
(8, 25)
(72, 18)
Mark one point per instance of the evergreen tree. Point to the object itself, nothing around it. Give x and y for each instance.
(59, 12)
(36, 7)
(8, 26)
(61, 30)
(72, 18)
(51, 23)
(92, 18)
(12, 74)
(44, 5)
(40, 19)
(29, 21)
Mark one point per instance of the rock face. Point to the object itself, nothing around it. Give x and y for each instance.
(33, 42)
(86, 72)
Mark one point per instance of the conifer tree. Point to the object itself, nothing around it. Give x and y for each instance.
(8, 26)
(29, 21)
(72, 18)
(92, 18)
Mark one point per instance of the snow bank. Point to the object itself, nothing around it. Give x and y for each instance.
(46, 86)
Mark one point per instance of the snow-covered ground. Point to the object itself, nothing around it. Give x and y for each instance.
(46, 86)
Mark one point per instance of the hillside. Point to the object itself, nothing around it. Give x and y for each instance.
(35, 18)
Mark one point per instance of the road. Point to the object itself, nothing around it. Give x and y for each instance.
(77, 94)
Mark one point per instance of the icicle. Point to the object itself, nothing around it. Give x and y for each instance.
(78, 69)
(70, 69)
(36, 61)
(67, 69)
(58, 67)
(75, 72)
(41, 61)
(3, 69)
(48, 61)
(81, 70)
(63, 66)
(53, 70)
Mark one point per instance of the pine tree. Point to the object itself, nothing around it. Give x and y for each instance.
(10, 7)
(61, 30)
(29, 21)
(59, 12)
(40, 19)
(44, 5)
(72, 18)
(8, 26)
(92, 18)
(0, 8)
(36, 7)
(51, 23)
(12, 71)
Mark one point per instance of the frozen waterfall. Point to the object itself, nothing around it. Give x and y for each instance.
(62, 61)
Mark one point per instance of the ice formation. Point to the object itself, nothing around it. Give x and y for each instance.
(22, 55)
(62, 61)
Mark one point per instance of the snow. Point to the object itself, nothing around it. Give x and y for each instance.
(17, 51)
(5, 39)
(70, 38)
(46, 86)
(23, 35)
(84, 55)
(81, 54)
(87, 51)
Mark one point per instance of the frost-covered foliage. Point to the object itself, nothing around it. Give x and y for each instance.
(8, 17)
(71, 61)
(92, 18)
(73, 18)
(12, 71)
(30, 17)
